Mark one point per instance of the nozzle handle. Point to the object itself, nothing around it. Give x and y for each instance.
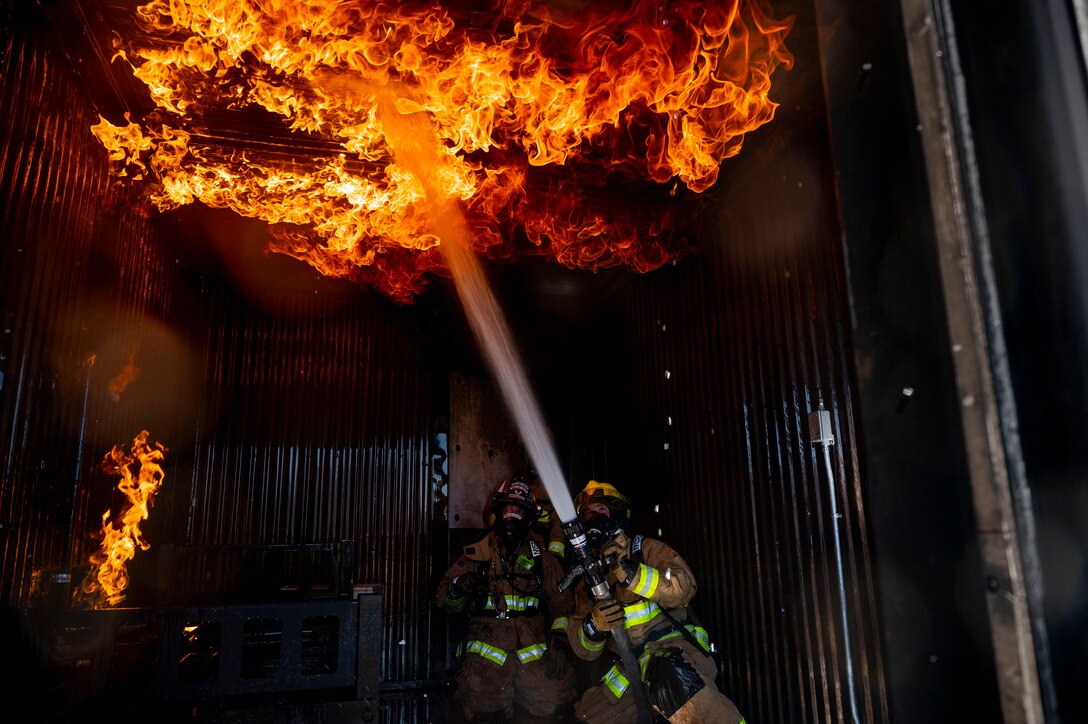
(593, 569)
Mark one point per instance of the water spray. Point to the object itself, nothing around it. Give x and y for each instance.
(414, 147)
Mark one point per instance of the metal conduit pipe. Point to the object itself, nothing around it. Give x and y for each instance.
(819, 422)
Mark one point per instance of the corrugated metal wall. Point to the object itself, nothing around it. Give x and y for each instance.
(312, 422)
(732, 351)
(62, 224)
(307, 423)
(314, 426)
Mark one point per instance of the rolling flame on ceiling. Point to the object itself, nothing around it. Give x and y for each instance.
(542, 109)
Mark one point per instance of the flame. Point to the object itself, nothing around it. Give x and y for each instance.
(537, 107)
(125, 377)
(108, 577)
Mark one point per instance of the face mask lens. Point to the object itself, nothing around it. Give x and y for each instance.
(512, 531)
(598, 527)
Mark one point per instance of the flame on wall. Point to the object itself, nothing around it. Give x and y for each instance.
(141, 476)
(128, 374)
(548, 115)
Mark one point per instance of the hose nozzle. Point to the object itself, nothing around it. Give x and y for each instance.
(592, 566)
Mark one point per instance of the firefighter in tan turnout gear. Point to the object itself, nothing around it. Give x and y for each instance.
(651, 587)
(515, 653)
(547, 523)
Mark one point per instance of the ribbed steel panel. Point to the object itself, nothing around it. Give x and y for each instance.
(314, 426)
(307, 424)
(732, 352)
(60, 219)
(312, 423)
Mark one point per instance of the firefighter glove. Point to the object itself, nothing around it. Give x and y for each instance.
(624, 568)
(606, 615)
(555, 659)
(616, 547)
(471, 583)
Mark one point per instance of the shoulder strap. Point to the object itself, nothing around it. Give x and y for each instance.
(683, 629)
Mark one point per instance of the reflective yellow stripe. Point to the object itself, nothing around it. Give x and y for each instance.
(698, 632)
(531, 653)
(615, 681)
(646, 581)
(701, 636)
(516, 603)
(639, 613)
(557, 547)
(643, 662)
(488, 652)
(561, 623)
(589, 644)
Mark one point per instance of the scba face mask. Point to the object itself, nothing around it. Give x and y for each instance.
(512, 527)
(599, 527)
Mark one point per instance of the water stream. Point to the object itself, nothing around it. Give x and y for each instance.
(415, 149)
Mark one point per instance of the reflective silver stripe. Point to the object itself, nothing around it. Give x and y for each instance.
(647, 581)
(640, 613)
(561, 623)
(488, 652)
(516, 603)
(531, 653)
(698, 632)
(589, 644)
(643, 662)
(701, 636)
(557, 547)
(615, 681)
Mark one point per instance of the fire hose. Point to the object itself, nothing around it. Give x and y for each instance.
(592, 567)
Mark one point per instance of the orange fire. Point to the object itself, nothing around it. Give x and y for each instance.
(543, 111)
(108, 577)
(125, 377)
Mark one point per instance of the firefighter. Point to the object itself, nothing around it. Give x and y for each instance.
(651, 588)
(547, 523)
(516, 647)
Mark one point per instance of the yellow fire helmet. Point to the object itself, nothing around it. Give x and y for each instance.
(605, 493)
